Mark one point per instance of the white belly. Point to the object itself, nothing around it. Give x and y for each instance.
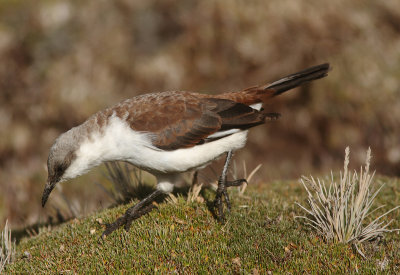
(189, 158)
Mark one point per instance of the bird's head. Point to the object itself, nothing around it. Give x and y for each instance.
(62, 154)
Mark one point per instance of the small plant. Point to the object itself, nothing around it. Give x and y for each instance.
(194, 193)
(248, 178)
(127, 182)
(339, 212)
(7, 251)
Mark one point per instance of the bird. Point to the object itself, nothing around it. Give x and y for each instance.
(166, 134)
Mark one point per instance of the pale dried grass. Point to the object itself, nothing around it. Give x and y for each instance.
(243, 187)
(340, 212)
(194, 193)
(7, 249)
(127, 182)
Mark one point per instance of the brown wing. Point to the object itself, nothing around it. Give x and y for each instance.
(188, 126)
(206, 116)
(181, 119)
(215, 115)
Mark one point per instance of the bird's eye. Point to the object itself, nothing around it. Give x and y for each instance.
(59, 171)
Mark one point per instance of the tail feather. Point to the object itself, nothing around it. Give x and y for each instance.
(297, 79)
(263, 93)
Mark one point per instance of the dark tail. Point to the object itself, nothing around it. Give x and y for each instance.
(263, 93)
(297, 79)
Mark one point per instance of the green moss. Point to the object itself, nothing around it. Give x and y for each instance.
(260, 234)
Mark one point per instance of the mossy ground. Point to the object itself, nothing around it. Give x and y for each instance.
(260, 235)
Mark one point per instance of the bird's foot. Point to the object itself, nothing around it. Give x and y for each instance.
(142, 208)
(223, 184)
(222, 196)
(126, 220)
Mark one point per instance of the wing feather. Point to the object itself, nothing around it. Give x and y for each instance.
(181, 119)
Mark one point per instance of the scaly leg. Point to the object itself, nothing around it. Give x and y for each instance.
(133, 213)
(223, 183)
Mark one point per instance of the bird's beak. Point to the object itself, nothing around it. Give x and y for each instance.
(47, 190)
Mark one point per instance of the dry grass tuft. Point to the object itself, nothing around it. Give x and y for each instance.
(248, 178)
(171, 199)
(7, 251)
(340, 212)
(127, 181)
(194, 193)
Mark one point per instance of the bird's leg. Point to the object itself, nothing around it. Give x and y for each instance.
(223, 183)
(135, 212)
(195, 179)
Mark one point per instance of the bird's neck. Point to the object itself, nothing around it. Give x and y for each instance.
(113, 142)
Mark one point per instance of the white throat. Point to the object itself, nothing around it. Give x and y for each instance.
(114, 142)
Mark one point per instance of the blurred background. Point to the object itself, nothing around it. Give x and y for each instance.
(61, 61)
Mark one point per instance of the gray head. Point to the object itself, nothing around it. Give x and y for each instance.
(62, 154)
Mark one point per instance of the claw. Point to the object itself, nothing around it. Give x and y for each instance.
(145, 210)
(218, 202)
(218, 205)
(227, 201)
(111, 227)
(133, 213)
(235, 182)
(222, 190)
